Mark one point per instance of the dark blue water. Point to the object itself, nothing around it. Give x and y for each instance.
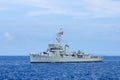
(19, 68)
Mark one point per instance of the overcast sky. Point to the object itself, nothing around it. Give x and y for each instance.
(93, 26)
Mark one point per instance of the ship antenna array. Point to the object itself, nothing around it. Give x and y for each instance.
(59, 34)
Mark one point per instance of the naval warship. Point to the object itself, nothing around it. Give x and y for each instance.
(57, 53)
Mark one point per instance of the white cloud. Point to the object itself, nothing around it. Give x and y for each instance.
(79, 9)
(41, 4)
(8, 36)
(103, 8)
(3, 8)
(51, 8)
(42, 12)
(74, 8)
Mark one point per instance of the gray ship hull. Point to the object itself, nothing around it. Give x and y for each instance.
(55, 59)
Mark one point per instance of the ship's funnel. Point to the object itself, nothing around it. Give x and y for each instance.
(66, 48)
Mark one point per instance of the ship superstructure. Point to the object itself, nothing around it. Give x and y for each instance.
(57, 53)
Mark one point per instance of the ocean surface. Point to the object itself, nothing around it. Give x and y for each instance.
(20, 68)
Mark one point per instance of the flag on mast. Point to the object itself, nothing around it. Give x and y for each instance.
(61, 31)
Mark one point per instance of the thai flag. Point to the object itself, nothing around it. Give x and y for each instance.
(61, 31)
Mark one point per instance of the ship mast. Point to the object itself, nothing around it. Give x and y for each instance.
(59, 34)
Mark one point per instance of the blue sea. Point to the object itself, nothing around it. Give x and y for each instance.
(20, 68)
